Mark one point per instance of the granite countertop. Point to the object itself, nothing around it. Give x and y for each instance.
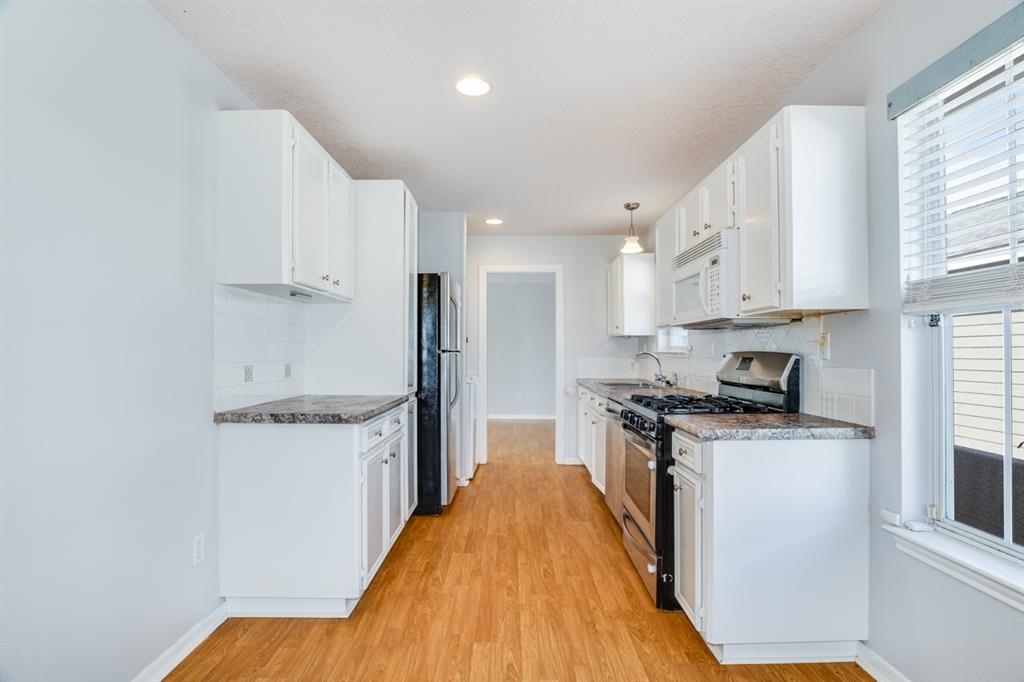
(771, 426)
(313, 409)
(620, 393)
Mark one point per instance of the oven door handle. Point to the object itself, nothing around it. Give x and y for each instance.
(642, 546)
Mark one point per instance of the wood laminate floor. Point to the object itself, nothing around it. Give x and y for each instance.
(523, 578)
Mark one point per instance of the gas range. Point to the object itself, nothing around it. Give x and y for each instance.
(646, 413)
(751, 383)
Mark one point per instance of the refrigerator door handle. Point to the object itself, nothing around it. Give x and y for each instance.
(458, 378)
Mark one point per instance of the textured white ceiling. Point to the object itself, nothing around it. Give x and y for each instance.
(594, 103)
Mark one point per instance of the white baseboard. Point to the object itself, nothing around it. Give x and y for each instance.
(520, 417)
(876, 666)
(162, 666)
(571, 461)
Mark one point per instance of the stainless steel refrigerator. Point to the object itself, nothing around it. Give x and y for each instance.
(440, 382)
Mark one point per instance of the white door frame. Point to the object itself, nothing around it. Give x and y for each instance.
(485, 270)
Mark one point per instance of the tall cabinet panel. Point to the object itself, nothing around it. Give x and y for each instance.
(364, 348)
(340, 231)
(411, 272)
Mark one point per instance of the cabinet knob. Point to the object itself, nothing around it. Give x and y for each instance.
(745, 297)
(696, 233)
(336, 282)
(326, 278)
(386, 460)
(683, 451)
(394, 454)
(378, 433)
(676, 487)
(707, 226)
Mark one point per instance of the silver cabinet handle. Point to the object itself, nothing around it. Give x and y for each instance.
(326, 278)
(652, 465)
(336, 282)
(707, 226)
(394, 454)
(676, 487)
(379, 432)
(696, 233)
(745, 297)
(683, 452)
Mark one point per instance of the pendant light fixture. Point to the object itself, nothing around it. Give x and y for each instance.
(632, 242)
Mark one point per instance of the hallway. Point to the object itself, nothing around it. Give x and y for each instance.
(524, 578)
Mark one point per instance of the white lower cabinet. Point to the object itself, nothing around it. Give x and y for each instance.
(771, 546)
(309, 512)
(374, 495)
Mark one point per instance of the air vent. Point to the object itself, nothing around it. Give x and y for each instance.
(709, 245)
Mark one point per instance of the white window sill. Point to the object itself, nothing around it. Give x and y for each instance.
(998, 577)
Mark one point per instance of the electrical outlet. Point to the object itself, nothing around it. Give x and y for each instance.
(198, 549)
(825, 346)
(248, 373)
(287, 370)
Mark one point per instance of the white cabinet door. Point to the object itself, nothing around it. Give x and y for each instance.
(309, 227)
(410, 461)
(395, 475)
(692, 215)
(597, 439)
(583, 428)
(412, 289)
(716, 200)
(665, 250)
(687, 583)
(374, 483)
(760, 232)
(341, 232)
(615, 311)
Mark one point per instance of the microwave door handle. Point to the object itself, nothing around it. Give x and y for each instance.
(704, 289)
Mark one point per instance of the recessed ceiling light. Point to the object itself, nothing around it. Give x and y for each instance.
(494, 221)
(473, 86)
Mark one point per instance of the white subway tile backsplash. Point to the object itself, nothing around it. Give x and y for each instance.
(261, 331)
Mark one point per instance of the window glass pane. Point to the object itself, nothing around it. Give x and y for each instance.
(978, 421)
(672, 339)
(1018, 427)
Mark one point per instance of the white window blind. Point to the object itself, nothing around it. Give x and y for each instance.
(961, 164)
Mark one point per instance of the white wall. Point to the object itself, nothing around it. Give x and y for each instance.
(585, 262)
(107, 449)
(521, 345)
(265, 333)
(442, 245)
(930, 626)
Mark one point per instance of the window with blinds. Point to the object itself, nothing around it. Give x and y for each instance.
(961, 165)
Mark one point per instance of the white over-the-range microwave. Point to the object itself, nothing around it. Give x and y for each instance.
(706, 285)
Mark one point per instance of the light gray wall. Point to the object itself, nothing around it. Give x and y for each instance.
(107, 448)
(585, 262)
(930, 626)
(521, 344)
(442, 245)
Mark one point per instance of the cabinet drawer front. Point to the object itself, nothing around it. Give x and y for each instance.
(688, 453)
(374, 433)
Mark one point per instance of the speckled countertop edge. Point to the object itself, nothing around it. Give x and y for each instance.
(313, 409)
(771, 426)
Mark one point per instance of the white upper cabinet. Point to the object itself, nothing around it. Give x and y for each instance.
(759, 234)
(631, 295)
(340, 232)
(284, 217)
(412, 291)
(797, 192)
(803, 213)
(666, 245)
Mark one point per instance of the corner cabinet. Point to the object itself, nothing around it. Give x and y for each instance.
(309, 512)
(285, 213)
(631, 304)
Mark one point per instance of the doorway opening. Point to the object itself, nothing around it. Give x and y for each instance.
(521, 349)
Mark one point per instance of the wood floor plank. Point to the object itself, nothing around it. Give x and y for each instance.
(523, 578)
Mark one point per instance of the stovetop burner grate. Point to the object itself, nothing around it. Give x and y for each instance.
(708, 404)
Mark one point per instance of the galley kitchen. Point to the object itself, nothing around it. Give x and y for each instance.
(575, 340)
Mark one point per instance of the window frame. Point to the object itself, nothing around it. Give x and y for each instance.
(682, 351)
(942, 507)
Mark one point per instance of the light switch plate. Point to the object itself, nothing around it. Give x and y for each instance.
(248, 373)
(287, 370)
